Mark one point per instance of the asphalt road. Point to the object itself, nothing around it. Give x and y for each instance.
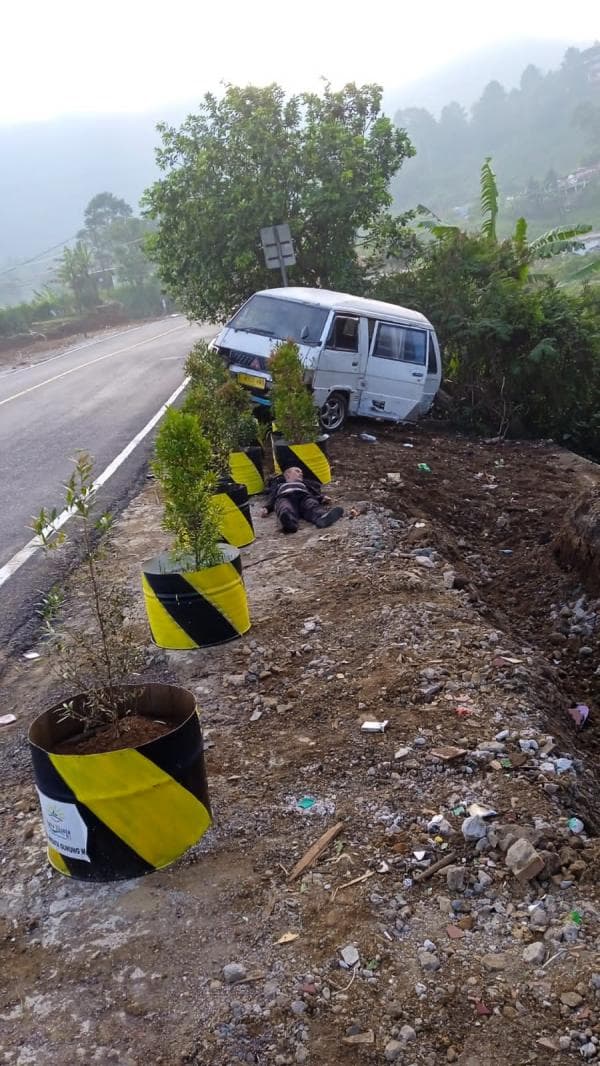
(97, 397)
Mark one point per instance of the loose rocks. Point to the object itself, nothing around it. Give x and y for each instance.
(524, 861)
(233, 972)
(474, 828)
(535, 954)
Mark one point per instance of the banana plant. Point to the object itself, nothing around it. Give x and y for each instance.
(553, 242)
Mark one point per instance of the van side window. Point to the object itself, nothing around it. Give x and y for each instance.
(343, 336)
(400, 344)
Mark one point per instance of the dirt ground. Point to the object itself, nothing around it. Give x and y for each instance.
(435, 604)
(15, 354)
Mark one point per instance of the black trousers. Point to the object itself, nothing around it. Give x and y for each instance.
(296, 505)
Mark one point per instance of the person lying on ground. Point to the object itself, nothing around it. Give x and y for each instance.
(292, 498)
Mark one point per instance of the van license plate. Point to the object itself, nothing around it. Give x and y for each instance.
(251, 382)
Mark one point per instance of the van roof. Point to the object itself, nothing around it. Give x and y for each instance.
(343, 301)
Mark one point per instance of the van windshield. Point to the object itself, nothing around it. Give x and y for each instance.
(273, 317)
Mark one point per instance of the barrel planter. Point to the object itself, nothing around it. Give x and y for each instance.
(311, 458)
(235, 521)
(189, 608)
(246, 468)
(120, 814)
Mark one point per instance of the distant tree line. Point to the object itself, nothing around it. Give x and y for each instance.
(536, 133)
(107, 263)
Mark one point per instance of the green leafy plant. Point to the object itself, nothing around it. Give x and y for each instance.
(49, 606)
(223, 407)
(320, 161)
(99, 661)
(183, 466)
(294, 412)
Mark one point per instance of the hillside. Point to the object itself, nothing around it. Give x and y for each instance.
(536, 133)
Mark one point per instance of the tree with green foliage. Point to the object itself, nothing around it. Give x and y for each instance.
(77, 271)
(101, 213)
(253, 158)
(126, 240)
(223, 407)
(294, 412)
(183, 467)
(521, 357)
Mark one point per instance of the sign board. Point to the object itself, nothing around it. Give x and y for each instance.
(277, 246)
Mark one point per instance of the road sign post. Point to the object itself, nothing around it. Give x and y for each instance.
(278, 248)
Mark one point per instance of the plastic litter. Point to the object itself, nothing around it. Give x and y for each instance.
(407, 445)
(31, 655)
(576, 825)
(506, 551)
(367, 437)
(375, 727)
(424, 468)
(306, 803)
(579, 713)
(576, 917)
(7, 719)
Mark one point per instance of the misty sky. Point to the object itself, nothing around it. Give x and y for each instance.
(72, 56)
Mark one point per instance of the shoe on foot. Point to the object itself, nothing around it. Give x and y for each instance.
(329, 517)
(288, 523)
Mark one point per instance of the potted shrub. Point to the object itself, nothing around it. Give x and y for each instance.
(224, 409)
(296, 439)
(119, 767)
(195, 595)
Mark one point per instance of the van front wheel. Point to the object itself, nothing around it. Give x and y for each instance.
(333, 412)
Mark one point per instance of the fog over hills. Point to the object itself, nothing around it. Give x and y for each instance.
(50, 170)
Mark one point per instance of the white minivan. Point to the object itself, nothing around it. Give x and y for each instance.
(362, 357)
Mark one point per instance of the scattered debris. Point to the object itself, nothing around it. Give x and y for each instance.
(579, 713)
(375, 727)
(315, 851)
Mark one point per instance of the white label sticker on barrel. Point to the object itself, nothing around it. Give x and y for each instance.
(65, 828)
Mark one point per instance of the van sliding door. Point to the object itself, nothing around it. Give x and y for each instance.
(395, 373)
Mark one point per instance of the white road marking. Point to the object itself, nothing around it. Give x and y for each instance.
(35, 543)
(90, 362)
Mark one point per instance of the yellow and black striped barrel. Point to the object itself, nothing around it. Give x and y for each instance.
(120, 814)
(191, 608)
(247, 469)
(235, 521)
(311, 458)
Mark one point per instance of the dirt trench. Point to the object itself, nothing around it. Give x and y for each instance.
(519, 523)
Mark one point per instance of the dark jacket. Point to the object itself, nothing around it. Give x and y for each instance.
(279, 487)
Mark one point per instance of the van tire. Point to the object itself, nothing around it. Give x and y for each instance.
(332, 414)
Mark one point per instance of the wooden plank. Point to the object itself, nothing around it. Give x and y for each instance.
(424, 875)
(315, 850)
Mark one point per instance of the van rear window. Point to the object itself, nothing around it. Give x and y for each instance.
(281, 319)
